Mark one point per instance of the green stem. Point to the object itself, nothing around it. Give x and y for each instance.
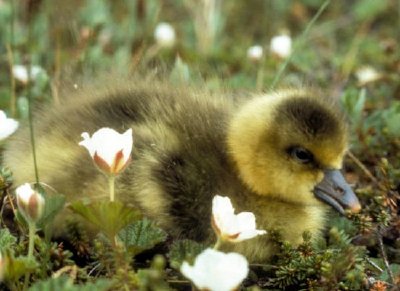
(32, 231)
(30, 115)
(296, 46)
(111, 184)
(218, 243)
(260, 76)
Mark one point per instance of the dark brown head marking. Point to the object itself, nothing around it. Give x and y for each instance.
(309, 117)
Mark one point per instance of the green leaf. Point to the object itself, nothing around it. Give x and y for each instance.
(17, 267)
(63, 283)
(96, 12)
(354, 103)
(184, 250)
(369, 9)
(180, 73)
(60, 283)
(23, 107)
(141, 235)
(54, 204)
(395, 270)
(359, 105)
(108, 217)
(391, 117)
(7, 240)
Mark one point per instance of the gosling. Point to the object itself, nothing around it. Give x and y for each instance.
(277, 155)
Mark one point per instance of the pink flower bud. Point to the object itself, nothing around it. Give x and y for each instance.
(30, 203)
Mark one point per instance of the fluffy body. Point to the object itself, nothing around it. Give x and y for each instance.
(189, 146)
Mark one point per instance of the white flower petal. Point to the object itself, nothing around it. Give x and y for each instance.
(20, 72)
(7, 125)
(246, 220)
(87, 143)
(232, 227)
(222, 205)
(127, 141)
(249, 234)
(217, 271)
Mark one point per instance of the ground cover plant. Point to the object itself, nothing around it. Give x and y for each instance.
(348, 48)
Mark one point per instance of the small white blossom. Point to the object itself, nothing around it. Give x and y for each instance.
(109, 149)
(367, 75)
(7, 125)
(230, 226)
(281, 45)
(164, 34)
(20, 72)
(255, 53)
(216, 271)
(30, 202)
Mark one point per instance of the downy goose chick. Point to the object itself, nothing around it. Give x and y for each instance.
(277, 155)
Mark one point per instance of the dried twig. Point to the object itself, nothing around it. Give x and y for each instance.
(374, 265)
(365, 170)
(383, 254)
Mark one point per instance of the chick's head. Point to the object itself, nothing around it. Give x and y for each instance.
(284, 143)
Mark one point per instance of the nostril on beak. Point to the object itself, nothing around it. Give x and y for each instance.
(339, 190)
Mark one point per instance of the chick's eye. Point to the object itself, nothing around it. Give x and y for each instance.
(301, 155)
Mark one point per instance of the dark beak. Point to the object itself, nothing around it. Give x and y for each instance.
(335, 191)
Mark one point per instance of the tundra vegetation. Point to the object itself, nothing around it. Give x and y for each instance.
(348, 48)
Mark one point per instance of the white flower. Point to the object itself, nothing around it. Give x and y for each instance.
(30, 202)
(109, 149)
(232, 227)
(281, 45)
(216, 271)
(7, 125)
(20, 72)
(255, 53)
(164, 35)
(367, 75)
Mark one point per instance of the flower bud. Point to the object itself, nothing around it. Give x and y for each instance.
(164, 35)
(281, 45)
(366, 75)
(30, 203)
(255, 53)
(109, 149)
